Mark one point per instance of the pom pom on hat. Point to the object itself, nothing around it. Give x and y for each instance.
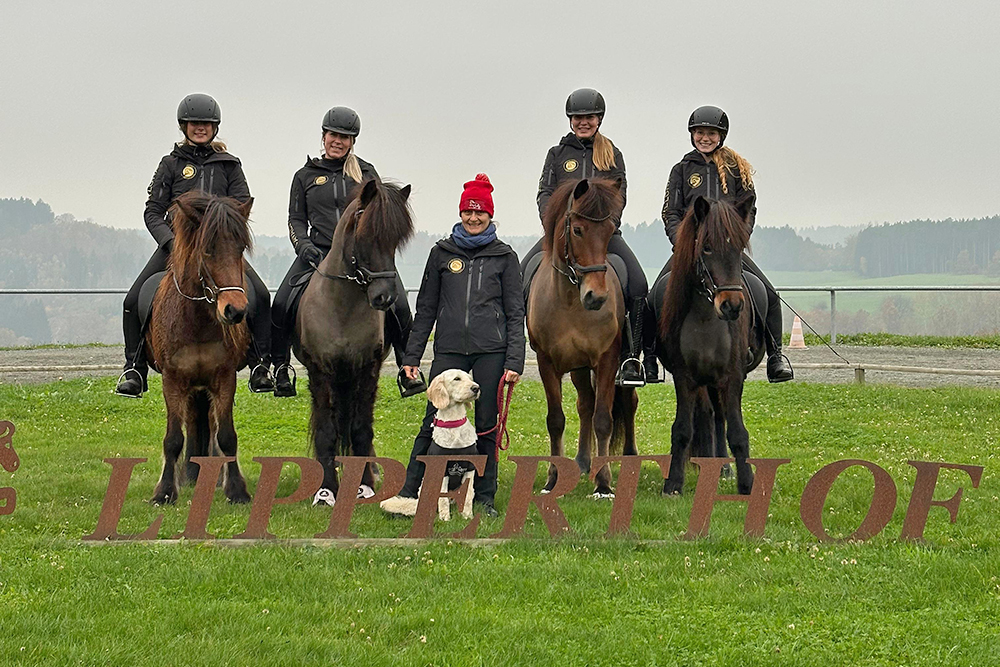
(477, 195)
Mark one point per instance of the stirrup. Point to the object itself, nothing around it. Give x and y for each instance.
(419, 386)
(293, 378)
(622, 382)
(270, 376)
(121, 378)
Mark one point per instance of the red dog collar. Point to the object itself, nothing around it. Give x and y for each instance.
(452, 424)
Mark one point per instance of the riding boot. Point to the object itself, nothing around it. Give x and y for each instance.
(398, 332)
(631, 372)
(261, 381)
(649, 347)
(779, 369)
(284, 384)
(132, 382)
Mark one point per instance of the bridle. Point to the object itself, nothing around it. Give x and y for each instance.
(357, 273)
(708, 288)
(210, 289)
(573, 268)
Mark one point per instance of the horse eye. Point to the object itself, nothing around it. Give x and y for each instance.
(578, 231)
(707, 250)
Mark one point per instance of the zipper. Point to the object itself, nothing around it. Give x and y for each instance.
(468, 305)
(499, 335)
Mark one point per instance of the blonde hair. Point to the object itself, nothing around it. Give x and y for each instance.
(727, 160)
(604, 152)
(351, 166)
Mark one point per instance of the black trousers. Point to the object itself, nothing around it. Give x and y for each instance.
(260, 321)
(487, 370)
(773, 316)
(398, 320)
(637, 286)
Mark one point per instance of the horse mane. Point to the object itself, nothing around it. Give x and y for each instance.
(387, 220)
(721, 227)
(200, 220)
(602, 198)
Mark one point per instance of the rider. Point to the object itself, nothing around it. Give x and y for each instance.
(586, 153)
(490, 343)
(321, 190)
(198, 162)
(718, 172)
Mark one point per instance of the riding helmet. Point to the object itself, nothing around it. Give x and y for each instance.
(710, 116)
(199, 107)
(584, 102)
(342, 120)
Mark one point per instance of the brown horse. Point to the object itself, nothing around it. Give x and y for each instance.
(704, 336)
(340, 324)
(575, 314)
(198, 336)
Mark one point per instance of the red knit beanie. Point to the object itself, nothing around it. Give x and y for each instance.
(476, 196)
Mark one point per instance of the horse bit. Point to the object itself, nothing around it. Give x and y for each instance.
(210, 289)
(574, 269)
(359, 274)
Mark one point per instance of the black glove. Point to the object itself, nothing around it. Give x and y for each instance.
(310, 254)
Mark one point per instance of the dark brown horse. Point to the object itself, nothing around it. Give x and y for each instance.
(704, 335)
(198, 336)
(340, 324)
(575, 316)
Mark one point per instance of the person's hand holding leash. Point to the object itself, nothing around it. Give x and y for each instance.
(511, 377)
(412, 372)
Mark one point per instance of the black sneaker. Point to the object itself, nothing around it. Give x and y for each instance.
(284, 385)
(131, 384)
(487, 509)
(779, 369)
(631, 374)
(652, 369)
(408, 387)
(260, 380)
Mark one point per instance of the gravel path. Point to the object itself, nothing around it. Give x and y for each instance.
(897, 356)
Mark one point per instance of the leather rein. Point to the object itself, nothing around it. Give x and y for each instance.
(573, 268)
(708, 288)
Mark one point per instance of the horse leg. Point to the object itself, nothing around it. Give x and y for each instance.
(324, 427)
(585, 399)
(629, 398)
(719, 426)
(362, 416)
(739, 437)
(681, 434)
(555, 419)
(221, 417)
(198, 435)
(173, 442)
(603, 421)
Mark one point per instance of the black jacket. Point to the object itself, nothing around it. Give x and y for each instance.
(320, 193)
(574, 159)
(475, 296)
(191, 168)
(690, 177)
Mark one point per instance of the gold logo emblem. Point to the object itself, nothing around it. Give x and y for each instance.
(456, 265)
(189, 172)
(320, 180)
(695, 180)
(570, 165)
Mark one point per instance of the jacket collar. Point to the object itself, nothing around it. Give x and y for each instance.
(326, 164)
(201, 154)
(495, 249)
(571, 140)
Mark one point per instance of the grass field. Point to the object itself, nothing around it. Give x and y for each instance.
(581, 600)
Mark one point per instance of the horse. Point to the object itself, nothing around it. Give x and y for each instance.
(704, 336)
(576, 310)
(339, 326)
(198, 336)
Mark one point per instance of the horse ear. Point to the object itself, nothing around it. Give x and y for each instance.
(368, 192)
(405, 191)
(437, 394)
(581, 188)
(245, 207)
(701, 208)
(618, 182)
(745, 204)
(189, 211)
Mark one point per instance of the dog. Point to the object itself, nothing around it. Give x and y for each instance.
(451, 392)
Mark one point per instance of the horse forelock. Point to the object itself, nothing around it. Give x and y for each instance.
(218, 218)
(601, 200)
(386, 222)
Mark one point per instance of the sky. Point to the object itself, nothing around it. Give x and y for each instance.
(851, 112)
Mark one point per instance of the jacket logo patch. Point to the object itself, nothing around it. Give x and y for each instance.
(320, 180)
(456, 265)
(570, 165)
(189, 172)
(695, 180)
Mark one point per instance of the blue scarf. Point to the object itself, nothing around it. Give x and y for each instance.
(466, 241)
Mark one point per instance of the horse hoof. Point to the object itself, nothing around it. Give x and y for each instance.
(545, 492)
(672, 488)
(602, 495)
(584, 466)
(365, 491)
(239, 498)
(163, 499)
(324, 497)
(726, 472)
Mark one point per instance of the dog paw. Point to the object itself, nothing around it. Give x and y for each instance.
(399, 506)
(325, 497)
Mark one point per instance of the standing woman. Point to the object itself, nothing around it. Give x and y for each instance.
(718, 172)
(472, 289)
(321, 190)
(586, 153)
(198, 162)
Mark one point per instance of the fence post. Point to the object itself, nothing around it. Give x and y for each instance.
(833, 317)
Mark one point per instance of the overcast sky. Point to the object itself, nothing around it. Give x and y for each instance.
(851, 112)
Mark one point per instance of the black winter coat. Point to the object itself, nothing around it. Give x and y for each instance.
(574, 159)
(320, 193)
(189, 168)
(690, 177)
(475, 296)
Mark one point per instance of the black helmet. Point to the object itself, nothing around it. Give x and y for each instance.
(342, 120)
(200, 108)
(710, 116)
(584, 102)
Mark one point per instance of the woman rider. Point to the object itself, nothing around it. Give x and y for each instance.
(199, 162)
(480, 326)
(321, 190)
(718, 172)
(586, 153)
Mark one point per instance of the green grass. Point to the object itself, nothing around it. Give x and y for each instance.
(581, 600)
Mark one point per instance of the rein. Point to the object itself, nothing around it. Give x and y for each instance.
(359, 274)
(708, 287)
(210, 289)
(503, 412)
(573, 268)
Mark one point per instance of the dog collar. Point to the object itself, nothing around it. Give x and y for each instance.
(452, 424)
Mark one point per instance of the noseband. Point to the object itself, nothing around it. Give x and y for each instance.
(357, 274)
(208, 287)
(708, 287)
(573, 268)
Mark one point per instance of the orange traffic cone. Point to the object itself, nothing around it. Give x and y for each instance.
(797, 342)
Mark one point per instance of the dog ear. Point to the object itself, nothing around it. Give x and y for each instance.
(437, 393)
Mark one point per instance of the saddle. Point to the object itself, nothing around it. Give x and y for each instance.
(531, 268)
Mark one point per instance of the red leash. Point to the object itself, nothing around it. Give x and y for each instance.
(503, 411)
